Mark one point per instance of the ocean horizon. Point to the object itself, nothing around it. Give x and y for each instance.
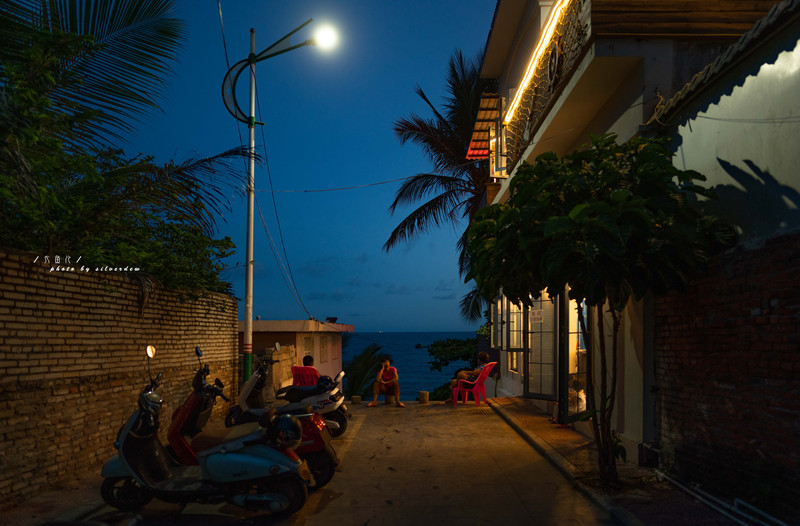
(409, 355)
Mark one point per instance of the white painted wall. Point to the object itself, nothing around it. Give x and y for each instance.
(752, 135)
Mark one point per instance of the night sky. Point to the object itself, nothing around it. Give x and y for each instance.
(329, 124)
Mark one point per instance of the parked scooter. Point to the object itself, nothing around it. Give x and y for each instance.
(191, 417)
(325, 398)
(252, 466)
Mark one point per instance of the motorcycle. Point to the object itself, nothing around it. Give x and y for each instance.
(251, 466)
(325, 398)
(191, 417)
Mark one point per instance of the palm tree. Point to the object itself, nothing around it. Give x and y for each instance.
(74, 76)
(452, 192)
(119, 54)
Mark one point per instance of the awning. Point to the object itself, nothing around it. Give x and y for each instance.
(488, 113)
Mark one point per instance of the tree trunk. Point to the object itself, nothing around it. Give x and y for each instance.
(601, 412)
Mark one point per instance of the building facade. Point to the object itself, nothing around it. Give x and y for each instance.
(727, 360)
(321, 340)
(566, 69)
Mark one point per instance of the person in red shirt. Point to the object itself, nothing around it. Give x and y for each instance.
(386, 383)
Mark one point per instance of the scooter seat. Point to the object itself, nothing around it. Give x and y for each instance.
(297, 393)
(213, 440)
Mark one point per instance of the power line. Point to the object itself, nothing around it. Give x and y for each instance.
(336, 189)
(275, 209)
(284, 270)
(791, 119)
(228, 64)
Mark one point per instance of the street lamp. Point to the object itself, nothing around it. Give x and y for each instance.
(325, 38)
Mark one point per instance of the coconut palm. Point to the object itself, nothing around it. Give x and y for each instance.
(118, 57)
(452, 192)
(74, 75)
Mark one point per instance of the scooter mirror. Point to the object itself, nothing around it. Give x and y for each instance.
(151, 351)
(218, 383)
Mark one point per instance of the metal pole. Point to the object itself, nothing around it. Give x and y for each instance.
(247, 350)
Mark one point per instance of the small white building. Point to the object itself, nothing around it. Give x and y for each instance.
(321, 340)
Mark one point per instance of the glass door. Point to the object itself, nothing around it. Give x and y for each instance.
(577, 357)
(541, 346)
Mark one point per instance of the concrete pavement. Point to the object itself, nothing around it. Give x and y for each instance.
(431, 464)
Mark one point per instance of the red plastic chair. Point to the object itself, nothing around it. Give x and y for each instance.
(464, 387)
(304, 375)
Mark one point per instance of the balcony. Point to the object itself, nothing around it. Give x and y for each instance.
(571, 67)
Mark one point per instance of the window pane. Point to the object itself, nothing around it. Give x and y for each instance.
(542, 342)
(577, 351)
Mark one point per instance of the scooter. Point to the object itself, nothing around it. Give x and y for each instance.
(191, 417)
(325, 398)
(251, 466)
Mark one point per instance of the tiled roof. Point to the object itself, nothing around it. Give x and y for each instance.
(777, 16)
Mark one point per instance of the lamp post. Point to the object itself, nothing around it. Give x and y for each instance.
(325, 38)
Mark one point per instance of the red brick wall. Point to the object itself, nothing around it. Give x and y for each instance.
(72, 363)
(728, 374)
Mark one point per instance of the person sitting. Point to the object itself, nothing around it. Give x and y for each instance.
(386, 383)
(305, 375)
(308, 361)
(470, 376)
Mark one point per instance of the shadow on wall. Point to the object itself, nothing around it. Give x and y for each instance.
(759, 205)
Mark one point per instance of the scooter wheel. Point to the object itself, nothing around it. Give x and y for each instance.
(322, 465)
(338, 417)
(294, 489)
(124, 493)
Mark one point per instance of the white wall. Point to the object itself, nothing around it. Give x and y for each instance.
(747, 147)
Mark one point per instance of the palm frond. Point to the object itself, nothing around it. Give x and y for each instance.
(433, 213)
(121, 74)
(444, 139)
(196, 189)
(472, 305)
(421, 185)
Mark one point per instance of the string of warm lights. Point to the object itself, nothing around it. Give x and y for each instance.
(556, 14)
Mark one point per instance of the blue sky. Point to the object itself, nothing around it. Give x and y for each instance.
(329, 124)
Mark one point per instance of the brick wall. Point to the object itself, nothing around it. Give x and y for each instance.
(72, 363)
(728, 374)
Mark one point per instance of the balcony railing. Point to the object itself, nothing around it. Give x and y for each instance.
(561, 47)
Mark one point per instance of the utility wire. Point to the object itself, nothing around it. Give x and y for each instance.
(336, 189)
(275, 208)
(791, 119)
(228, 65)
(286, 274)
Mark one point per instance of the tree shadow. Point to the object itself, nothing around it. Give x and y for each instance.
(760, 206)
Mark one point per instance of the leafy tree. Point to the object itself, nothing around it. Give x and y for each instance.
(612, 222)
(452, 192)
(445, 352)
(72, 75)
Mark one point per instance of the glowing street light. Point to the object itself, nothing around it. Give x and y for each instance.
(325, 38)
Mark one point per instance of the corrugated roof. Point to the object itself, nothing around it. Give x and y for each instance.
(777, 16)
(488, 112)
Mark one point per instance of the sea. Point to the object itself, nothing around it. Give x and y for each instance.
(410, 356)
